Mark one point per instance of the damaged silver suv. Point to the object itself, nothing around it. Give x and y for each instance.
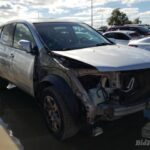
(77, 76)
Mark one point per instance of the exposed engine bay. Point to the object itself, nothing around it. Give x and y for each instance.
(125, 88)
(107, 95)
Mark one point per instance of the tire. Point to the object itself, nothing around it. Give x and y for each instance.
(3, 84)
(56, 114)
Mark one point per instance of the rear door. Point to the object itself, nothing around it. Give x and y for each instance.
(23, 62)
(6, 50)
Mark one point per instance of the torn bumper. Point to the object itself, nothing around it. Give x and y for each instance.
(113, 111)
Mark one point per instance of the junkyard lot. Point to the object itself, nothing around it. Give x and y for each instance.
(23, 117)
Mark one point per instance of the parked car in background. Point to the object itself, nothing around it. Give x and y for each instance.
(141, 30)
(143, 43)
(145, 26)
(140, 25)
(102, 29)
(78, 77)
(121, 37)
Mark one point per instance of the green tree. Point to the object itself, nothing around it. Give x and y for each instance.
(137, 21)
(118, 18)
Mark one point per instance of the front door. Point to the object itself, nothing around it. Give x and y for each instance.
(23, 62)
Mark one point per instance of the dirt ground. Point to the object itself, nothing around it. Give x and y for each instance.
(21, 113)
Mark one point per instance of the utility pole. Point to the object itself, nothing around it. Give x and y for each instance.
(38, 14)
(102, 19)
(92, 13)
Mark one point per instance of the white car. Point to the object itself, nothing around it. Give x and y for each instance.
(121, 37)
(143, 43)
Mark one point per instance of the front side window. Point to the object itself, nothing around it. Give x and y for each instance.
(110, 35)
(22, 33)
(7, 34)
(68, 36)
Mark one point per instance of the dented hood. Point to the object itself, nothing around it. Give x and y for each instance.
(111, 57)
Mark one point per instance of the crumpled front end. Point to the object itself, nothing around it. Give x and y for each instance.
(115, 94)
(106, 95)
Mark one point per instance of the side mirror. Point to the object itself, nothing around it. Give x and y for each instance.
(26, 45)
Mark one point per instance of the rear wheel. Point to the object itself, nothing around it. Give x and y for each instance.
(57, 116)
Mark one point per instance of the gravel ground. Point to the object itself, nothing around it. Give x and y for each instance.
(20, 112)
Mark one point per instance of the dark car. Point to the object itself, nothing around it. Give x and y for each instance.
(76, 75)
(141, 30)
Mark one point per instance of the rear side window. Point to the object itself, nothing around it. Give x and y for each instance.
(121, 36)
(7, 34)
(22, 33)
(135, 35)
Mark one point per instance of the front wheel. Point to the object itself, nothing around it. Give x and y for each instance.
(57, 116)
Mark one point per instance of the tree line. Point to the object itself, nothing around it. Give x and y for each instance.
(120, 18)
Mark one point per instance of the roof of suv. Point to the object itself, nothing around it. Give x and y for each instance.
(39, 21)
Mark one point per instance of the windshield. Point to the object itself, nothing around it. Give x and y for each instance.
(68, 36)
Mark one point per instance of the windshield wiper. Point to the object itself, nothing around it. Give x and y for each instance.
(72, 48)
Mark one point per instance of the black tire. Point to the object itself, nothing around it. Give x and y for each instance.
(3, 84)
(57, 116)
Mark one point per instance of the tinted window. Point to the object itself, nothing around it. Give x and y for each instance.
(135, 35)
(121, 36)
(22, 33)
(109, 35)
(7, 34)
(134, 29)
(144, 30)
(67, 36)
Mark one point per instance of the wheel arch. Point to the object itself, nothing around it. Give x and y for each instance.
(65, 90)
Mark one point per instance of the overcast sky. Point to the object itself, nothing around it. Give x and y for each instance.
(73, 9)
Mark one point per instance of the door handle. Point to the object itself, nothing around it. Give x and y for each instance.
(12, 55)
